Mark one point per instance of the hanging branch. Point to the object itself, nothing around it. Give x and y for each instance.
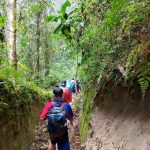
(45, 2)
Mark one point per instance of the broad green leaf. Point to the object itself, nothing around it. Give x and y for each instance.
(64, 6)
(2, 18)
(58, 29)
(50, 18)
(2, 21)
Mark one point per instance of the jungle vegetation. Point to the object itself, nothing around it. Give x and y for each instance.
(100, 42)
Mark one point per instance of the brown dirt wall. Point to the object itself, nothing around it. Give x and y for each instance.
(120, 122)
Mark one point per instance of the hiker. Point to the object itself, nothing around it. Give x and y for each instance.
(78, 85)
(67, 95)
(64, 82)
(57, 113)
(73, 85)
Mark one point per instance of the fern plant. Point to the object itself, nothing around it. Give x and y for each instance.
(131, 60)
(143, 76)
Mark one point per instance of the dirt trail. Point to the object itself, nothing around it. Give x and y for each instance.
(41, 139)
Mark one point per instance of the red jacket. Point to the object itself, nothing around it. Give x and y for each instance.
(67, 95)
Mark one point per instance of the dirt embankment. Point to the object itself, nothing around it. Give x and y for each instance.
(120, 123)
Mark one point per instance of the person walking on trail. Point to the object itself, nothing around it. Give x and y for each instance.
(78, 85)
(73, 85)
(57, 112)
(67, 95)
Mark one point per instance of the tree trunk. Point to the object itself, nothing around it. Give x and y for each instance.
(38, 42)
(12, 33)
(46, 57)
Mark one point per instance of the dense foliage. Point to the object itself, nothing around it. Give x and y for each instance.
(113, 37)
(44, 55)
(18, 96)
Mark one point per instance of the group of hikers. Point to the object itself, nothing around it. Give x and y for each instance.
(58, 111)
(73, 85)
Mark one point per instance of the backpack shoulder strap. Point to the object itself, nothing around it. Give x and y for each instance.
(53, 104)
(63, 104)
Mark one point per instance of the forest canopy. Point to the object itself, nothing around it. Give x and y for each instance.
(29, 44)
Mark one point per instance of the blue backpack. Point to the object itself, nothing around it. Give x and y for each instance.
(57, 119)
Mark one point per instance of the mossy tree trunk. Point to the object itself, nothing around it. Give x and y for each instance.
(12, 33)
(38, 42)
(46, 56)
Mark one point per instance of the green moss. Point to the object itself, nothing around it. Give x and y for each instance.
(20, 104)
(89, 94)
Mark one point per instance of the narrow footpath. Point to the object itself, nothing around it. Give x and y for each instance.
(41, 139)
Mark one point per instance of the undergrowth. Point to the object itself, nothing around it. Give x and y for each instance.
(18, 94)
(114, 35)
(20, 104)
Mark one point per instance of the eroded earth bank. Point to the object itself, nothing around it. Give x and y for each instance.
(120, 123)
